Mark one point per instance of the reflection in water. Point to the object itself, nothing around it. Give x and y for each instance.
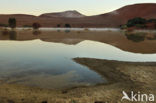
(135, 37)
(36, 32)
(50, 65)
(67, 30)
(152, 37)
(5, 32)
(13, 35)
(115, 38)
(140, 36)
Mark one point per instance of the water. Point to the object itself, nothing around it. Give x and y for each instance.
(50, 65)
(74, 29)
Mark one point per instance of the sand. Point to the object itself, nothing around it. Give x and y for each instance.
(120, 75)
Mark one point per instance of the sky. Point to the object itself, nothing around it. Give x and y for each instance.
(86, 7)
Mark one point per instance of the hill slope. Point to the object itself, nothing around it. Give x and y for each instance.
(111, 19)
(66, 14)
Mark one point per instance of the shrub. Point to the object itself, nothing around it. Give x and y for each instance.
(140, 25)
(67, 25)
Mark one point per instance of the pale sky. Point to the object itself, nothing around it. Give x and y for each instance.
(87, 7)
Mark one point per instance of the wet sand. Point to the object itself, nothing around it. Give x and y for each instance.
(121, 76)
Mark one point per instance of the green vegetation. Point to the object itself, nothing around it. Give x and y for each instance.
(12, 22)
(136, 21)
(140, 23)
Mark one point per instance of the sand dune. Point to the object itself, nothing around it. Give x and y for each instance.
(111, 19)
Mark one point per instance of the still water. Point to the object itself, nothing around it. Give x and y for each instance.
(50, 65)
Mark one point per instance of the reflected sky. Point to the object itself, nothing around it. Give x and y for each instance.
(35, 62)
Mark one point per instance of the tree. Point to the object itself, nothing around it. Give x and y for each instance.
(136, 21)
(36, 25)
(12, 22)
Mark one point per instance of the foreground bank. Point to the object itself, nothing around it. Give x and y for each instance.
(121, 76)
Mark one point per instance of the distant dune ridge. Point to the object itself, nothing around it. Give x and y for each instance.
(76, 19)
(66, 14)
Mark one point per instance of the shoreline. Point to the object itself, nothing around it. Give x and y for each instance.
(121, 76)
(127, 76)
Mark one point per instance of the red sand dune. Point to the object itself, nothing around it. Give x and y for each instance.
(111, 19)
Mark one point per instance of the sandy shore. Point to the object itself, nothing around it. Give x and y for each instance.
(120, 75)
